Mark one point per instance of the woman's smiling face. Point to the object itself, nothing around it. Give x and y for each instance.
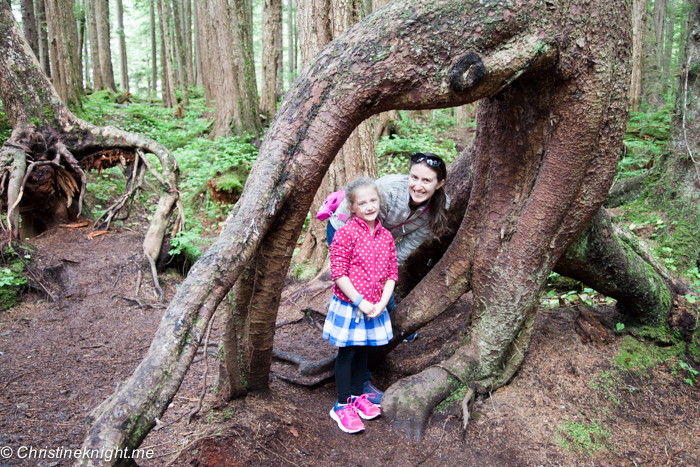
(422, 183)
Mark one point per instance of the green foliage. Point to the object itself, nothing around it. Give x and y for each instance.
(188, 242)
(639, 357)
(692, 372)
(584, 437)
(11, 277)
(5, 126)
(303, 271)
(645, 140)
(415, 134)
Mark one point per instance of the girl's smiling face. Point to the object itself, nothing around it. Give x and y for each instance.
(422, 183)
(366, 204)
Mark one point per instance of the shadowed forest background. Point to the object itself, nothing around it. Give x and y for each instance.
(598, 385)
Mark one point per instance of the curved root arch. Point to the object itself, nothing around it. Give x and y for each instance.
(566, 146)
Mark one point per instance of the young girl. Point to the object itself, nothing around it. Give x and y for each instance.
(363, 266)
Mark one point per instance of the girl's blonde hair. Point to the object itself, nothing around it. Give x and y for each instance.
(361, 182)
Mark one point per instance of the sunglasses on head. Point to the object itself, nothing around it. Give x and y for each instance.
(430, 160)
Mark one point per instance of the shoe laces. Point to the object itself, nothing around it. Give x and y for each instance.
(362, 402)
(350, 411)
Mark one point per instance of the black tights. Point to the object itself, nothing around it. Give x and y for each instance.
(350, 367)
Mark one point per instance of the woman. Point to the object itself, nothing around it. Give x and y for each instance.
(413, 207)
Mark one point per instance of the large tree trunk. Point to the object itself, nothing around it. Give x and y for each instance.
(104, 49)
(550, 128)
(94, 47)
(271, 37)
(123, 70)
(65, 62)
(29, 25)
(229, 73)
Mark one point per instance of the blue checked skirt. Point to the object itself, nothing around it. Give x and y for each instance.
(341, 329)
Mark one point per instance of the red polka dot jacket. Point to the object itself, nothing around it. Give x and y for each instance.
(367, 259)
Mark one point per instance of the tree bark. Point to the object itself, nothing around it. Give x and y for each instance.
(65, 52)
(272, 25)
(123, 70)
(550, 127)
(29, 25)
(169, 96)
(229, 72)
(639, 17)
(79, 12)
(104, 49)
(97, 82)
(154, 49)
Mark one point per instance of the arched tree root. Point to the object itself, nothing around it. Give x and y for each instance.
(70, 152)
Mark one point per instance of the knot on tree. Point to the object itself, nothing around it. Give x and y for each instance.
(468, 71)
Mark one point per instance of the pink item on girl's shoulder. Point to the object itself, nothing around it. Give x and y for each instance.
(330, 204)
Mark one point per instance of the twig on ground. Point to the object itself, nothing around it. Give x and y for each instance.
(438, 444)
(15, 379)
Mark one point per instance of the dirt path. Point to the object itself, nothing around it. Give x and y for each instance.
(568, 405)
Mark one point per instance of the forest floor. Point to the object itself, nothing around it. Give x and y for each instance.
(571, 403)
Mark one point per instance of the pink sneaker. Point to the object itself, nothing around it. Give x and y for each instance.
(346, 418)
(365, 408)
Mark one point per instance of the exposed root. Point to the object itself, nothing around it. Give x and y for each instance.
(409, 402)
(306, 367)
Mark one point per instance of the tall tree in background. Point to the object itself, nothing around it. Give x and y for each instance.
(639, 18)
(357, 157)
(29, 25)
(291, 50)
(97, 82)
(154, 49)
(123, 70)
(81, 25)
(43, 37)
(667, 77)
(104, 48)
(187, 16)
(197, 50)
(168, 72)
(271, 45)
(225, 40)
(65, 62)
(180, 53)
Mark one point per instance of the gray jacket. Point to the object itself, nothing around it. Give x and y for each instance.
(394, 215)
